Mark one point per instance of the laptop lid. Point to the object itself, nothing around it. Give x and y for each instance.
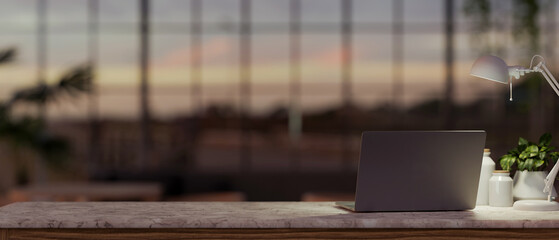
(419, 170)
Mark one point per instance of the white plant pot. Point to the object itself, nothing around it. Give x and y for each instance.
(529, 185)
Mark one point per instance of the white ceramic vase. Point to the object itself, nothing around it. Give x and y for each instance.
(487, 168)
(529, 185)
(500, 189)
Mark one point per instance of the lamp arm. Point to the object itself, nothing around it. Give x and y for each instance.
(550, 79)
(550, 179)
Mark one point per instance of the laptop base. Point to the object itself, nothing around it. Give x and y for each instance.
(346, 205)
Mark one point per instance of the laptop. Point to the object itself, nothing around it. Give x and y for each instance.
(418, 171)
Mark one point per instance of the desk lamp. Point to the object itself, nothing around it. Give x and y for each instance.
(495, 69)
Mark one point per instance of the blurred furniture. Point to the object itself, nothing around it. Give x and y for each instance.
(88, 191)
(262, 220)
(211, 196)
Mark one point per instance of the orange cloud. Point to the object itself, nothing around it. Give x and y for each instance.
(333, 56)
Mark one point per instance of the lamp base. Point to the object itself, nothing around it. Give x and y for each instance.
(536, 205)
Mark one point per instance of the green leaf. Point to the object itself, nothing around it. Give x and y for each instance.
(511, 162)
(533, 149)
(541, 155)
(522, 141)
(530, 151)
(553, 157)
(504, 161)
(507, 161)
(530, 156)
(521, 148)
(521, 166)
(525, 154)
(514, 151)
(545, 139)
(539, 163)
(529, 164)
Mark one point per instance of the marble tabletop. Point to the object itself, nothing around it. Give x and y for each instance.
(254, 215)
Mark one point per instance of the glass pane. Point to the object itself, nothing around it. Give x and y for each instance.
(119, 17)
(67, 11)
(119, 53)
(119, 103)
(67, 17)
(168, 103)
(372, 69)
(221, 16)
(170, 60)
(270, 99)
(118, 11)
(471, 88)
(321, 71)
(170, 78)
(118, 76)
(270, 11)
(423, 10)
(220, 59)
(219, 146)
(170, 11)
(65, 52)
(270, 72)
(424, 68)
(18, 15)
(20, 72)
(372, 11)
(321, 11)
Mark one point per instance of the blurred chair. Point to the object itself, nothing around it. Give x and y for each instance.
(17, 196)
(327, 197)
(211, 197)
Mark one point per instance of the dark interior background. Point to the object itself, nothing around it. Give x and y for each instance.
(263, 97)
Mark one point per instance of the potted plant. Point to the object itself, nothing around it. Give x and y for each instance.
(530, 160)
(28, 135)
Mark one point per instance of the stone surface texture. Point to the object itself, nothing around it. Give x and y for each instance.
(254, 215)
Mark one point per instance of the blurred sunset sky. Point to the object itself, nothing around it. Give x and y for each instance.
(117, 75)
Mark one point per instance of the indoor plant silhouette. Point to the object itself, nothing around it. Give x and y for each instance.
(28, 134)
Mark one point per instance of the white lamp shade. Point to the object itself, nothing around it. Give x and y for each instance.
(491, 68)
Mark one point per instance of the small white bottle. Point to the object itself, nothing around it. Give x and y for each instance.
(487, 168)
(500, 189)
